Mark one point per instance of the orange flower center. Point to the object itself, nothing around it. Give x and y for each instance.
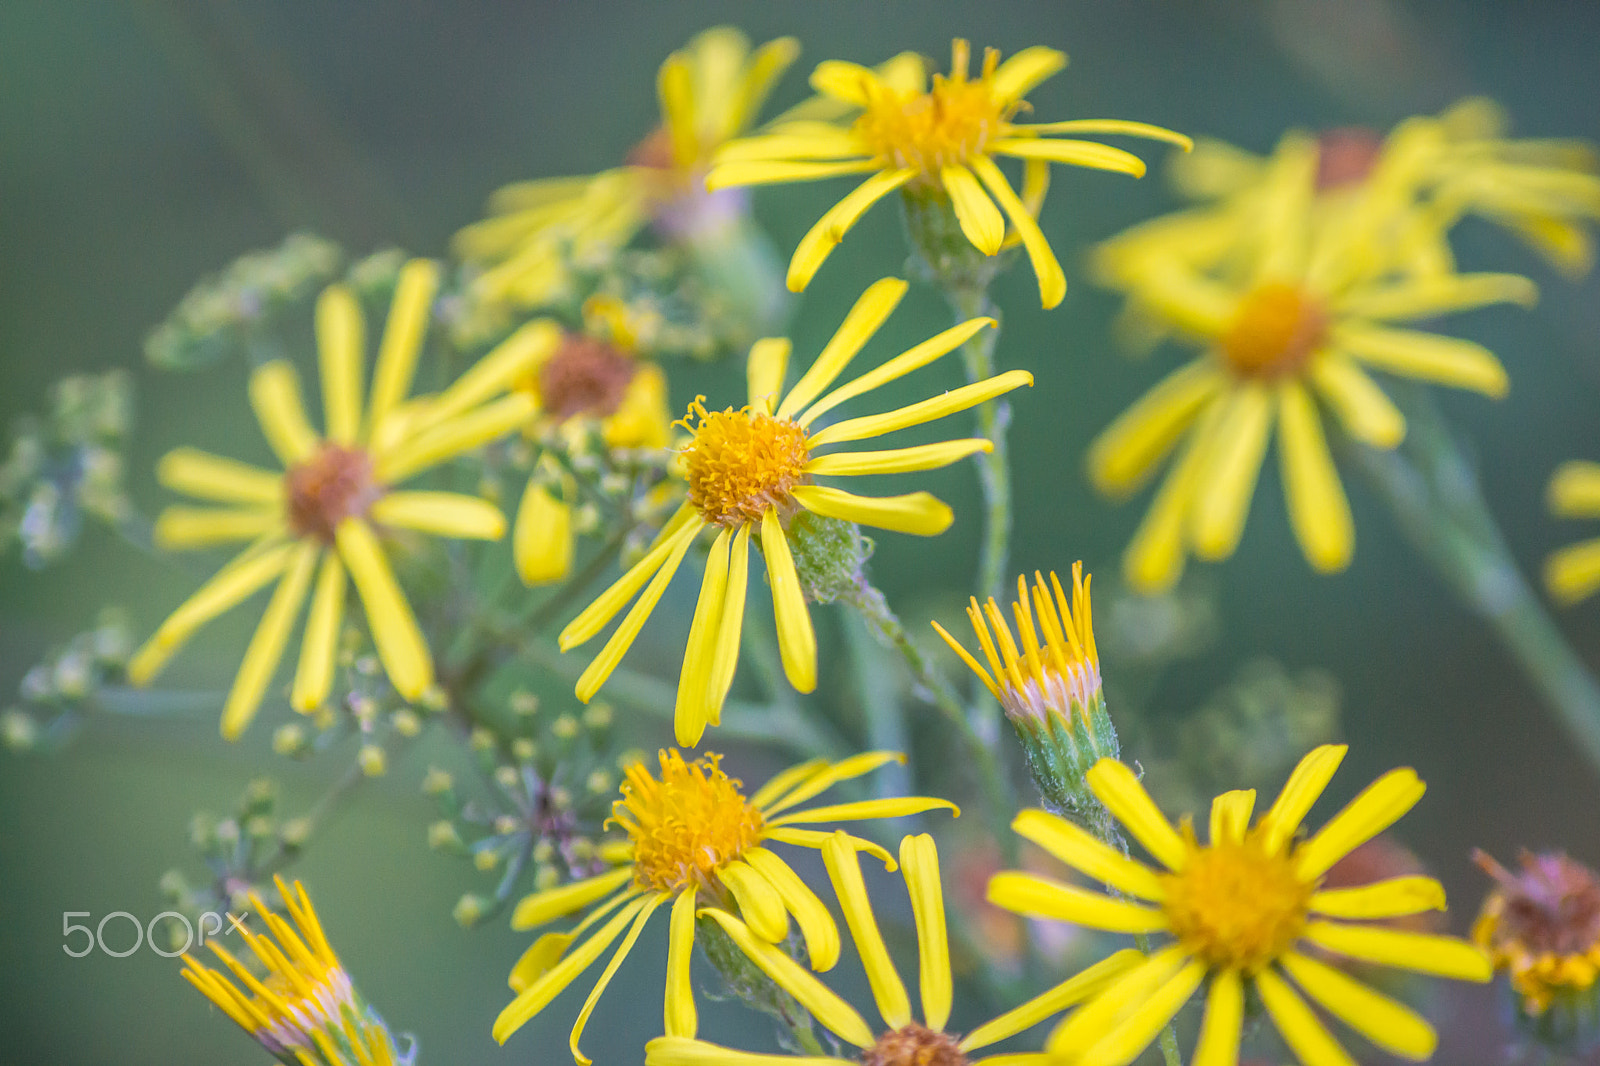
(1235, 905)
(914, 1045)
(334, 484)
(587, 377)
(1274, 332)
(741, 464)
(685, 825)
(947, 126)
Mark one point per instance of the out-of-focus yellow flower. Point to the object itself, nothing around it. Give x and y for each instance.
(749, 470)
(1292, 317)
(305, 1010)
(1242, 908)
(1542, 927)
(902, 1040)
(697, 842)
(710, 92)
(315, 528)
(940, 139)
(1573, 573)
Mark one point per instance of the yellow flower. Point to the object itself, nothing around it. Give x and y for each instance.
(942, 140)
(1291, 322)
(315, 527)
(709, 93)
(904, 1041)
(695, 841)
(305, 1010)
(1241, 908)
(586, 384)
(1573, 572)
(1542, 927)
(751, 470)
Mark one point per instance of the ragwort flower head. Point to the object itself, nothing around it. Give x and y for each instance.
(749, 470)
(1242, 908)
(696, 841)
(316, 528)
(709, 92)
(903, 1040)
(940, 138)
(1293, 318)
(305, 1011)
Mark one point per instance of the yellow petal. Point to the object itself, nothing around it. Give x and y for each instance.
(1318, 510)
(911, 359)
(797, 641)
(444, 514)
(1101, 1015)
(542, 540)
(979, 218)
(888, 991)
(1155, 558)
(1387, 1023)
(448, 439)
(1110, 125)
(1084, 851)
(1379, 806)
(593, 618)
(589, 1004)
(1224, 1021)
(1073, 153)
(1135, 1031)
(1125, 452)
(401, 647)
(211, 477)
(919, 513)
(919, 858)
(692, 710)
(897, 460)
(610, 656)
(1076, 989)
(730, 625)
(816, 838)
(313, 677)
(180, 528)
(769, 359)
(1363, 409)
(809, 779)
(676, 1051)
(1052, 281)
(765, 66)
(1305, 785)
(816, 924)
(534, 963)
(1227, 478)
(1426, 356)
(737, 172)
(875, 305)
(275, 397)
(1429, 297)
(675, 89)
(845, 81)
(1573, 572)
(1441, 956)
(341, 351)
(1574, 490)
(1025, 70)
(861, 810)
(511, 360)
(1381, 899)
(759, 903)
(1310, 1041)
(1041, 897)
(925, 411)
(679, 1015)
(261, 658)
(798, 141)
(403, 335)
(1119, 789)
(540, 907)
(830, 229)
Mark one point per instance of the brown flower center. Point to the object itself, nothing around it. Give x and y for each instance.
(1274, 332)
(655, 151)
(914, 1045)
(585, 377)
(1345, 156)
(1551, 907)
(334, 484)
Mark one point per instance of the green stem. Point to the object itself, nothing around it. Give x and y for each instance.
(1431, 487)
(994, 419)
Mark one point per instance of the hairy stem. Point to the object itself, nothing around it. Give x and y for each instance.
(994, 419)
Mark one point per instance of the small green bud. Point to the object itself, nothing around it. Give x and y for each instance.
(442, 835)
(437, 781)
(469, 909)
(406, 722)
(565, 727)
(372, 760)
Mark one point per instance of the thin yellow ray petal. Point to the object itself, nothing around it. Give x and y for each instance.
(1363, 409)
(816, 924)
(804, 786)
(862, 810)
(730, 626)
(275, 398)
(919, 513)
(888, 991)
(675, 90)
(650, 904)
(541, 907)
(911, 359)
(736, 172)
(816, 838)
(595, 674)
(1101, 1015)
(1041, 897)
(677, 1051)
(785, 780)
(265, 650)
(403, 335)
(897, 460)
(509, 361)
(1382, 899)
(679, 1016)
(967, 657)
(1135, 1032)
(845, 81)
(919, 858)
(925, 411)
(1441, 956)
(1388, 1023)
(768, 362)
(1573, 573)
(691, 710)
(825, 1005)
(760, 905)
(1574, 490)
(313, 677)
(1230, 816)
(765, 66)
(1426, 356)
(447, 439)
(796, 141)
(1126, 452)
(976, 213)
(341, 345)
(401, 647)
(1155, 557)
(212, 477)
(797, 641)
(1083, 985)
(1110, 125)
(1307, 1037)
(444, 514)
(1084, 851)
(542, 538)
(868, 314)
(1306, 783)
(1072, 153)
(538, 995)
(1379, 806)
(1052, 280)
(1224, 1021)
(1319, 513)
(1119, 789)
(593, 619)
(830, 229)
(1429, 297)
(182, 528)
(1232, 464)
(1025, 70)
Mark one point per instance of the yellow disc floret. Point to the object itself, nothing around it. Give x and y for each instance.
(685, 825)
(1275, 331)
(743, 463)
(1236, 905)
(947, 126)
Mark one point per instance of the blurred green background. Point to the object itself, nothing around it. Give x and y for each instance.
(145, 144)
